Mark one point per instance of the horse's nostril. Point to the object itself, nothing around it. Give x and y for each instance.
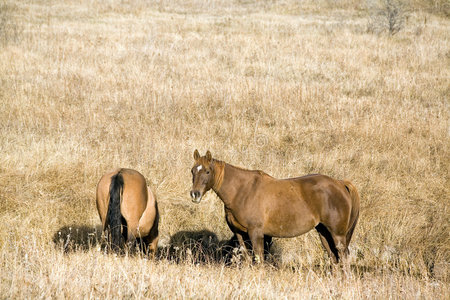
(195, 194)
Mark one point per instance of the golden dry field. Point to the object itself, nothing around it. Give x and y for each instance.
(288, 87)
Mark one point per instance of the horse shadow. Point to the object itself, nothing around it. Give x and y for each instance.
(203, 247)
(199, 247)
(72, 238)
(191, 246)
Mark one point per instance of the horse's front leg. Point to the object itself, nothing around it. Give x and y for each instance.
(242, 246)
(257, 238)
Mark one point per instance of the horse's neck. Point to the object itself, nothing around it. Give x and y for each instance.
(233, 179)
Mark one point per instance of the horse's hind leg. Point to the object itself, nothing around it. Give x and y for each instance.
(328, 242)
(153, 247)
(341, 245)
(150, 242)
(326, 245)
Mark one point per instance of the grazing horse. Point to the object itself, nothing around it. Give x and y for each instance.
(259, 205)
(128, 208)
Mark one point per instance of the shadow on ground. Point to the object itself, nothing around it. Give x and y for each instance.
(204, 247)
(78, 238)
(201, 246)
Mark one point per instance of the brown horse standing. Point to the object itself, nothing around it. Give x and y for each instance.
(128, 208)
(260, 205)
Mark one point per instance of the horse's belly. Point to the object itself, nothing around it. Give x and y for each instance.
(290, 221)
(288, 230)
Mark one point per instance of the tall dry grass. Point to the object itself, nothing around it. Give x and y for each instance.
(288, 87)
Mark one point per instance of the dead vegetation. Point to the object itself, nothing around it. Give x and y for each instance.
(288, 87)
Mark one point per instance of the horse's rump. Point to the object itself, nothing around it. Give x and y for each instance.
(127, 207)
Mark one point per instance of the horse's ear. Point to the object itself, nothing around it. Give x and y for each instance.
(208, 156)
(196, 154)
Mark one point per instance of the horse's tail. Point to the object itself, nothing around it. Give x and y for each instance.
(354, 215)
(114, 217)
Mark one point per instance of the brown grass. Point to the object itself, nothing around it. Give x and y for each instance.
(290, 87)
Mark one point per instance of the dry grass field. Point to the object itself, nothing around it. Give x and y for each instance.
(289, 87)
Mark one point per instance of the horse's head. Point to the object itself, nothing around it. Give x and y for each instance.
(202, 175)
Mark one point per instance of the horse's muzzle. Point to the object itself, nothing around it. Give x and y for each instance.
(196, 196)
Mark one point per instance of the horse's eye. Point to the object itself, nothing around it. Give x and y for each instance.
(192, 171)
